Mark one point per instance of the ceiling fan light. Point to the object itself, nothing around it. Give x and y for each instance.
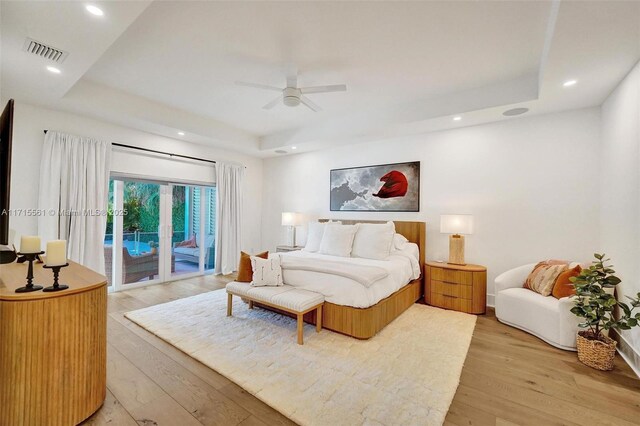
(291, 101)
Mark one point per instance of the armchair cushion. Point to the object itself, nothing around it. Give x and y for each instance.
(545, 317)
(190, 243)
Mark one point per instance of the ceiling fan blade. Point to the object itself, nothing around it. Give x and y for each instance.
(258, 86)
(312, 106)
(273, 103)
(324, 89)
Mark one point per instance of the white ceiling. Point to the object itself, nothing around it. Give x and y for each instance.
(170, 66)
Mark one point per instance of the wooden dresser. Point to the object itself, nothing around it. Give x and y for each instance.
(53, 346)
(459, 287)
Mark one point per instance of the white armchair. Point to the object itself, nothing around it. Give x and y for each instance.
(548, 318)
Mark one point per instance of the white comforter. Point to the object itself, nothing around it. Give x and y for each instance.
(402, 267)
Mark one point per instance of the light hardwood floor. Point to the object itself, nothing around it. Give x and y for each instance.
(509, 378)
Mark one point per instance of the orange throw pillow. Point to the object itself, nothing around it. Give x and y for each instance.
(563, 286)
(245, 273)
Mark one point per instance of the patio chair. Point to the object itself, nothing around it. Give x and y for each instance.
(134, 268)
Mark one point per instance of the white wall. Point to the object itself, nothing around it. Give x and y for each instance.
(530, 184)
(30, 121)
(620, 187)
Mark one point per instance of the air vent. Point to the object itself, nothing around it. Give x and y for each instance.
(515, 111)
(44, 51)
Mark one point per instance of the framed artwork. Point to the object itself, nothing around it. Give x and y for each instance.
(382, 188)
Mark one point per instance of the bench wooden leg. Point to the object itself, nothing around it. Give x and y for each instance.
(300, 329)
(319, 319)
(229, 304)
(250, 304)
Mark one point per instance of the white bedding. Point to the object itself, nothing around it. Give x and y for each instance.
(402, 267)
(366, 275)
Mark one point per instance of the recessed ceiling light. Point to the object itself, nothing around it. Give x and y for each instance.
(53, 69)
(94, 10)
(457, 118)
(294, 147)
(515, 111)
(181, 133)
(569, 83)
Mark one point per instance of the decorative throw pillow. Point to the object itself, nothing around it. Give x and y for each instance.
(563, 286)
(314, 236)
(315, 231)
(373, 240)
(190, 243)
(266, 272)
(544, 276)
(338, 239)
(245, 273)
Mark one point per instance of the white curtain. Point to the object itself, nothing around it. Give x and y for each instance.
(74, 185)
(228, 217)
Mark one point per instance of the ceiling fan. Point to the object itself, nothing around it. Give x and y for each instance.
(292, 95)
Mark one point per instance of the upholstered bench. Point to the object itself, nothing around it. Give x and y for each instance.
(287, 298)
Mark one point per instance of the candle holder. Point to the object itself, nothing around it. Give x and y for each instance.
(29, 257)
(56, 272)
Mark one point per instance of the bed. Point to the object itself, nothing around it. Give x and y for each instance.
(359, 311)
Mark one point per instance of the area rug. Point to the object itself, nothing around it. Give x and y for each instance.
(405, 375)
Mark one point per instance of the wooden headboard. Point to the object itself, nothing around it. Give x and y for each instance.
(415, 232)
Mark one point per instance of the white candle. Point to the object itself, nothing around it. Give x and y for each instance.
(56, 253)
(30, 244)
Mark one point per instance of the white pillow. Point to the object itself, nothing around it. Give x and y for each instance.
(373, 240)
(301, 236)
(266, 272)
(315, 231)
(338, 239)
(412, 252)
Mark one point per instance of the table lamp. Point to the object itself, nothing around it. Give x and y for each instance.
(289, 220)
(456, 224)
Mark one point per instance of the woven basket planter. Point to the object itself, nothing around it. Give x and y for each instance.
(595, 353)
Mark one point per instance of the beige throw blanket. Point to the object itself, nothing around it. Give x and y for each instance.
(363, 274)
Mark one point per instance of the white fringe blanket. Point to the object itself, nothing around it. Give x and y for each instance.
(363, 274)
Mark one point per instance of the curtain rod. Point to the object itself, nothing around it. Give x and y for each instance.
(158, 152)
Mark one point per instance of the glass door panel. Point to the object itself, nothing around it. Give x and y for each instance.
(164, 232)
(209, 214)
(186, 221)
(140, 256)
(108, 238)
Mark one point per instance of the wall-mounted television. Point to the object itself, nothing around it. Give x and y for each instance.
(6, 133)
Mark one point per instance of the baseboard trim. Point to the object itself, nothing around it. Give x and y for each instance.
(628, 353)
(491, 300)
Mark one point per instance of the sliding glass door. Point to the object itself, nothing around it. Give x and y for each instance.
(193, 221)
(158, 232)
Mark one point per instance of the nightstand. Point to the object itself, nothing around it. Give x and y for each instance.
(283, 249)
(459, 287)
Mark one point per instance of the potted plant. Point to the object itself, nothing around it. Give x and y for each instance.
(596, 306)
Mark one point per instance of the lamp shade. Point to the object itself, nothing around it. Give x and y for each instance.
(288, 219)
(456, 224)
